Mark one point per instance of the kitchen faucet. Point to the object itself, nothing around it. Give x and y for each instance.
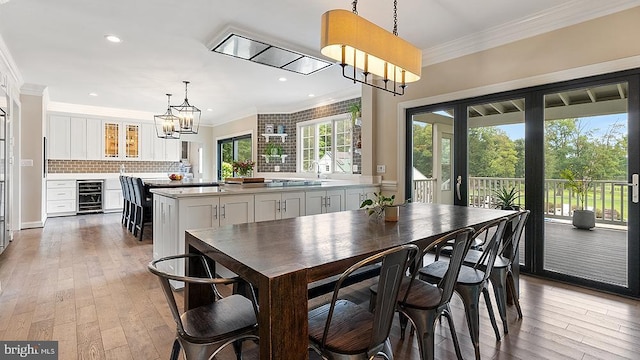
(317, 164)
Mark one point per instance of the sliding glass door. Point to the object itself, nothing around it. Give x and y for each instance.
(232, 149)
(568, 152)
(586, 195)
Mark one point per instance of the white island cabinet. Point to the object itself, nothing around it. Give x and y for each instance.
(173, 216)
(176, 210)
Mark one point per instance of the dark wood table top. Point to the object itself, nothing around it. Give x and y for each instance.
(165, 183)
(281, 257)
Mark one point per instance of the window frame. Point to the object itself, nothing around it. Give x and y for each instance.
(334, 119)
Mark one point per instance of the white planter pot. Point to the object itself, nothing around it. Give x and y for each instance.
(584, 219)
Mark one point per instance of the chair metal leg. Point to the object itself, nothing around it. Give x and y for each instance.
(424, 323)
(492, 317)
(456, 344)
(511, 286)
(175, 350)
(470, 298)
(237, 347)
(498, 279)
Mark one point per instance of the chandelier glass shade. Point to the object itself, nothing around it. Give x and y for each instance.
(167, 124)
(356, 42)
(188, 115)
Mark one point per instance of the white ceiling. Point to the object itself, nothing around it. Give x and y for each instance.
(60, 44)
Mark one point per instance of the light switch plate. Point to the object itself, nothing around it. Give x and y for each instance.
(276, 168)
(380, 169)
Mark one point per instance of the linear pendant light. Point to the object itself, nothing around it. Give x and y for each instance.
(167, 124)
(360, 44)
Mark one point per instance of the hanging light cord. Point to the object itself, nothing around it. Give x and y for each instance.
(186, 83)
(354, 8)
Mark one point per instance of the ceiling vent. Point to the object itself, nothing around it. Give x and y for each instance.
(262, 53)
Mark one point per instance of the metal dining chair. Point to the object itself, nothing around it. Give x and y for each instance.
(473, 280)
(501, 275)
(423, 303)
(144, 208)
(345, 330)
(204, 331)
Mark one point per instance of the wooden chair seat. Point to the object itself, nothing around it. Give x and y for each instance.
(351, 327)
(423, 295)
(468, 275)
(227, 317)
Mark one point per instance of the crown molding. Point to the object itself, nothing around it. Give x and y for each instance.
(7, 59)
(99, 111)
(33, 89)
(326, 99)
(567, 14)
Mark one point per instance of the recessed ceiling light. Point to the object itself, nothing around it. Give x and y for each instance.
(112, 38)
(283, 79)
(209, 109)
(93, 94)
(312, 95)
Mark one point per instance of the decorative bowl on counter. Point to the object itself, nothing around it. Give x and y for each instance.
(175, 176)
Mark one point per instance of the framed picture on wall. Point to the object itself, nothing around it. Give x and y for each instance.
(268, 129)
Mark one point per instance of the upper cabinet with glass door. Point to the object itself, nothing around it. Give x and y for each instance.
(121, 140)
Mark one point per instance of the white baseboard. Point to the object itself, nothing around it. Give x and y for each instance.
(32, 225)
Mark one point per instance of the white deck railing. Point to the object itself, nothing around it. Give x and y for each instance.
(606, 197)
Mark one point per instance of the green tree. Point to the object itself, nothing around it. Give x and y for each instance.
(423, 148)
(491, 153)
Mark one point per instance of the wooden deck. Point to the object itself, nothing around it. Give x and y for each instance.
(599, 254)
(82, 281)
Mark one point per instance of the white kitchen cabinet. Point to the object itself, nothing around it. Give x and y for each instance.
(147, 142)
(355, 196)
(166, 149)
(78, 136)
(274, 206)
(94, 139)
(321, 201)
(61, 197)
(59, 144)
(121, 140)
(172, 217)
(113, 199)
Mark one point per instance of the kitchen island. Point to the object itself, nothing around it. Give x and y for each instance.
(176, 210)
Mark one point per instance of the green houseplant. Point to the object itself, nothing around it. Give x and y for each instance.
(273, 150)
(507, 198)
(580, 185)
(356, 113)
(381, 206)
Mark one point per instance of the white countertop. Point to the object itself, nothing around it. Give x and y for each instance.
(184, 192)
(97, 176)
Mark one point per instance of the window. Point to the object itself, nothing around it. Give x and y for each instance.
(238, 148)
(325, 145)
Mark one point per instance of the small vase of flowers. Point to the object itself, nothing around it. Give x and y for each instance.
(382, 207)
(243, 168)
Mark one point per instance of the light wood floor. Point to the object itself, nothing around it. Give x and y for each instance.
(83, 281)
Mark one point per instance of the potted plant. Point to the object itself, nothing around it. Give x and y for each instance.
(507, 198)
(243, 168)
(356, 114)
(580, 185)
(273, 150)
(382, 205)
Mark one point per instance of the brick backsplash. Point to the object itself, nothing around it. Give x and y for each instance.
(108, 166)
(289, 122)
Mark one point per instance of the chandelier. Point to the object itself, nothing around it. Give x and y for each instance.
(167, 124)
(189, 115)
(364, 46)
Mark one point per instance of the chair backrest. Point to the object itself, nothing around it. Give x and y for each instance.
(460, 240)
(141, 191)
(509, 247)
(135, 192)
(125, 187)
(210, 279)
(492, 233)
(394, 266)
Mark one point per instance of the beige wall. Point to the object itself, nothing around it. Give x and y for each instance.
(31, 177)
(204, 137)
(598, 46)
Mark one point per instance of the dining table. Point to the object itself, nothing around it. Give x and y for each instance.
(281, 258)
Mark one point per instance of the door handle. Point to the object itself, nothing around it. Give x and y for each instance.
(215, 214)
(284, 205)
(634, 188)
(224, 212)
(278, 206)
(458, 183)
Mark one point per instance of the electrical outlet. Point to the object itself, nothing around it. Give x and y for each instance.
(276, 168)
(380, 169)
(355, 168)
